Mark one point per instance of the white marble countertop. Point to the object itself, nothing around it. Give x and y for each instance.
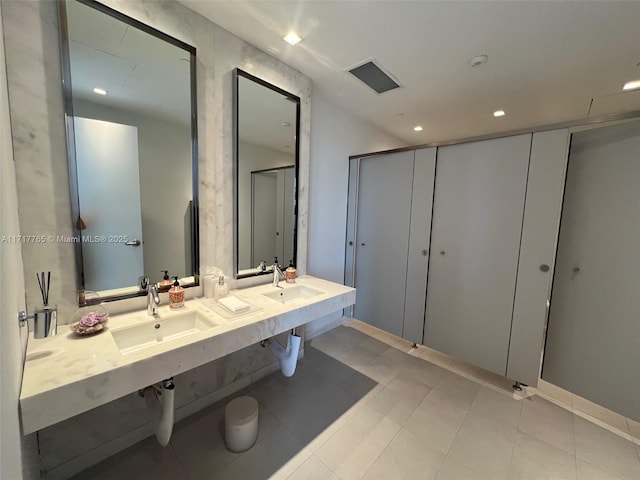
(66, 375)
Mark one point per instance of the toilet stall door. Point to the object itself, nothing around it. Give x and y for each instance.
(383, 221)
(475, 242)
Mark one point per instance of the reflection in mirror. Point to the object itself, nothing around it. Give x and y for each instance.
(132, 151)
(266, 135)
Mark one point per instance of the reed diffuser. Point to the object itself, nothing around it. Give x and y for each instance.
(44, 287)
(45, 318)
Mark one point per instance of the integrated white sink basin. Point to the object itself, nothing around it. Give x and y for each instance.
(293, 294)
(159, 330)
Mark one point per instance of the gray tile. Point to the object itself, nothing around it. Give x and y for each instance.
(328, 343)
(199, 440)
(452, 470)
(536, 460)
(548, 422)
(381, 369)
(352, 450)
(416, 367)
(348, 335)
(497, 409)
(442, 412)
(146, 460)
(277, 392)
(399, 398)
(357, 385)
(398, 357)
(263, 460)
(586, 471)
(373, 345)
(325, 365)
(308, 415)
(604, 449)
(438, 418)
(406, 458)
(313, 469)
(320, 392)
(460, 388)
(355, 357)
(483, 447)
(339, 339)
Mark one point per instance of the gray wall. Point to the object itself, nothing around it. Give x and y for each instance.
(335, 135)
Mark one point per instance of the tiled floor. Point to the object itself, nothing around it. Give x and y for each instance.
(360, 406)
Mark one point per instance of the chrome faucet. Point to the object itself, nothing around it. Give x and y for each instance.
(277, 274)
(153, 300)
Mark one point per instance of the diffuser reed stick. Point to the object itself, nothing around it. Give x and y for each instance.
(44, 284)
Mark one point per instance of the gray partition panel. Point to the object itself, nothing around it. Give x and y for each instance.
(545, 186)
(593, 340)
(384, 206)
(349, 248)
(419, 237)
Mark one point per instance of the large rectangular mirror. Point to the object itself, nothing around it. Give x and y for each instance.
(266, 165)
(131, 120)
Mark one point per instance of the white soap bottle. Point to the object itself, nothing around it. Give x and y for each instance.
(222, 289)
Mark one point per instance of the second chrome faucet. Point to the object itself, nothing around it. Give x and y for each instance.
(153, 300)
(277, 273)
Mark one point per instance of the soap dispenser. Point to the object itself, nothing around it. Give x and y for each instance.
(176, 295)
(166, 283)
(290, 273)
(222, 289)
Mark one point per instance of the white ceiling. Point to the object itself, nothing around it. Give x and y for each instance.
(145, 74)
(139, 71)
(547, 60)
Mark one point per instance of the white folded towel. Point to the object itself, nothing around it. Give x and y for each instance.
(234, 304)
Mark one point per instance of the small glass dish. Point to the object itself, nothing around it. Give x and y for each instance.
(89, 320)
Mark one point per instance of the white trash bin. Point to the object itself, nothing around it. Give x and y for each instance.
(241, 423)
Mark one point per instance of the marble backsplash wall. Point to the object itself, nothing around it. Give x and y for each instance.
(37, 112)
(39, 144)
(36, 101)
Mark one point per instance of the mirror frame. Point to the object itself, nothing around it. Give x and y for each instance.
(136, 290)
(237, 73)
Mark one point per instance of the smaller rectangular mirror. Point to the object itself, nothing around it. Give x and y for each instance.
(266, 133)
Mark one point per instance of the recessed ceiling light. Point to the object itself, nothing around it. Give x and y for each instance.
(478, 60)
(99, 91)
(499, 113)
(418, 128)
(291, 38)
(632, 85)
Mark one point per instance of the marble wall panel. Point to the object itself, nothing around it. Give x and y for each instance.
(37, 114)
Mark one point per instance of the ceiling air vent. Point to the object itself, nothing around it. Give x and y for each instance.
(374, 77)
